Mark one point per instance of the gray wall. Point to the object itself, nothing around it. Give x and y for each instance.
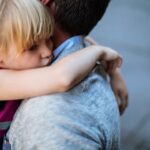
(126, 28)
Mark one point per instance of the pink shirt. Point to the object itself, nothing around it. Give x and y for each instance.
(6, 114)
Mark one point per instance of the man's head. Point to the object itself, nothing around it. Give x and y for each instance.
(78, 17)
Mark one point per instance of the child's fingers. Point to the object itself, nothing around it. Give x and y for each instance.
(119, 61)
(112, 55)
(110, 66)
(123, 103)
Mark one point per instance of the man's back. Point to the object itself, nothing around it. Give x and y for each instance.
(86, 117)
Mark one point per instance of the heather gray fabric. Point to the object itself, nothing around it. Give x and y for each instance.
(84, 118)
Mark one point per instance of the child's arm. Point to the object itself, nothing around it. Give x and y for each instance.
(120, 90)
(58, 77)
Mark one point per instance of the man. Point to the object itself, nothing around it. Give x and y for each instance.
(84, 118)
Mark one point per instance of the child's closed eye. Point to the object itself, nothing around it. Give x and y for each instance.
(34, 47)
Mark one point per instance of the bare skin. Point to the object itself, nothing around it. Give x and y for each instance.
(58, 77)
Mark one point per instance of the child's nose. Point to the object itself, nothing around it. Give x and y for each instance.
(46, 52)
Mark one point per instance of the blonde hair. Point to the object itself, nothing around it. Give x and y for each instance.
(23, 22)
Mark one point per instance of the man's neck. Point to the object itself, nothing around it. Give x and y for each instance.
(59, 36)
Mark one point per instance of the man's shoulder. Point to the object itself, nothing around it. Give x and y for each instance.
(92, 82)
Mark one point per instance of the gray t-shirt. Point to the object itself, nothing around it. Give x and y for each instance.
(84, 118)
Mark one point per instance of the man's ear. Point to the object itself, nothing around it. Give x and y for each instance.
(52, 7)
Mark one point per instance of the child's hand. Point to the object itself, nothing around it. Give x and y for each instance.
(45, 1)
(110, 59)
(120, 90)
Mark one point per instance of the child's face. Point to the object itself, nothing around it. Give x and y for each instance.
(37, 56)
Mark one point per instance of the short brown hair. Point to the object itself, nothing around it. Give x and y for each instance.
(78, 17)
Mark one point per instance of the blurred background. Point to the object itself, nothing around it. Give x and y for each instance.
(126, 28)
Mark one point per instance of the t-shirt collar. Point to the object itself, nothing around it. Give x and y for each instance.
(68, 44)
